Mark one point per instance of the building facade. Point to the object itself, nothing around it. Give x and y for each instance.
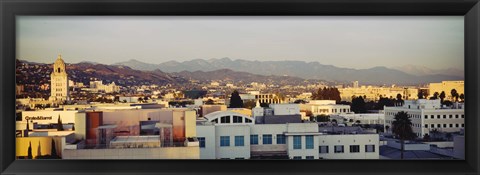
(429, 115)
(243, 140)
(59, 81)
(325, 107)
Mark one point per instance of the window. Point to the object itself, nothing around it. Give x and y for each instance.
(438, 116)
(297, 157)
(451, 125)
(426, 125)
(463, 116)
(456, 125)
(439, 125)
(215, 121)
(267, 139)
(432, 116)
(450, 116)
(201, 141)
(323, 149)
(239, 141)
(463, 125)
(225, 119)
(309, 157)
(354, 148)
(432, 126)
(369, 148)
(237, 119)
(456, 115)
(426, 116)
(444, 125)
(309, 142)
(224, 140)
(444, 116)
(281, 139)
(253, 139)
(248, 120)
(297, 142)
(338, 148)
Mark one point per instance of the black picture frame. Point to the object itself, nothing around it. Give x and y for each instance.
(470, 9)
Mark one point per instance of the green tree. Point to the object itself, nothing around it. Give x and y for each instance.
(53, 150)
(29, 152)
(402, 128)
(235, 100)
(358, 105)
(59, 124)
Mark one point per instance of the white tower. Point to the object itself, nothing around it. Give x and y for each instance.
(59, 81)
(258, 110)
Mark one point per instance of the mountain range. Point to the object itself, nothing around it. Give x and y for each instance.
(422, 70)
(307, 70)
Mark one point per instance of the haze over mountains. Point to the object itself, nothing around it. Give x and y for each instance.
(409, 75)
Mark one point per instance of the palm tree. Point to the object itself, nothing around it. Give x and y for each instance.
(442, 96)
(454, 94)
(435, 133)
(402, 128)
(462, 97)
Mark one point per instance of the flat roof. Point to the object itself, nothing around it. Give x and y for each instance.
(134, 139)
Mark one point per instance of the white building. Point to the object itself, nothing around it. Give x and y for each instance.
(363, 118)
(226, 135)
(427, 115)
(325, 107)
(59, 81)
(285, 109)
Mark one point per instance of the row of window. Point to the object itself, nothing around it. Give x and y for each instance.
(236, 119)
(444, 116)
(323, 149)
(332, 110)
(267, 139)
(451, 125)
(306, 157)
(240, 140)
(297, 142)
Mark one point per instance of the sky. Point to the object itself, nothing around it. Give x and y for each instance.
(359, 42)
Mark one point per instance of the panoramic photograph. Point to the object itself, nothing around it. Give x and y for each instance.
(240, 87)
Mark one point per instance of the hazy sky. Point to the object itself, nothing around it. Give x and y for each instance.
(354, 42)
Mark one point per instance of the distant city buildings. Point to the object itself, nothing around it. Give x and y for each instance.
(94, 120)
(447, 87)
(374, 93)
(325, 107)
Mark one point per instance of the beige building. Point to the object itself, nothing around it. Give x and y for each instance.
(447, 87)
(373, 93)
(59, 81)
